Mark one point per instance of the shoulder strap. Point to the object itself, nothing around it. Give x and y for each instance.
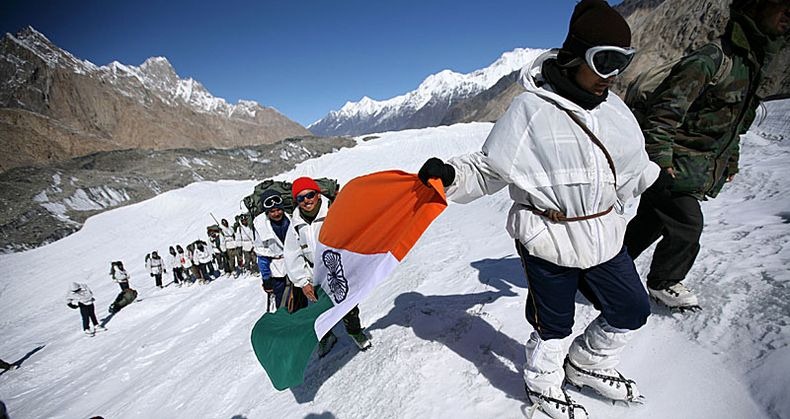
(559, 216)
(595, 141)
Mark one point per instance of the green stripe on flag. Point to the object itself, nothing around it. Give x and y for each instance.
(283, 342)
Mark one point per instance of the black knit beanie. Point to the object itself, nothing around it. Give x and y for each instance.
(593, 23)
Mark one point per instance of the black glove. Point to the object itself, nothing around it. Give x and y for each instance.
(268, 285)
(72, 305)
(664, 181)
(436, 168)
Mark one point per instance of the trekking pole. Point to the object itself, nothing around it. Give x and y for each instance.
(215, 219)
(268, 303)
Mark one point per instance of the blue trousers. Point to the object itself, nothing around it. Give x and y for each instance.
(613, 287)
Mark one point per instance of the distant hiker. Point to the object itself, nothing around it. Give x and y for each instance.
(186, 264)
(218, 248)
(692, 125)
(155, 268)
(203, 258)
(174, 264)
(119, 275)
(80, 296)
(228, 240)
(299, 248)
(570, 153)
(271, 228)
(250, 262)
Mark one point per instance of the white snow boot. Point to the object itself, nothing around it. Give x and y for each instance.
(543, 376)
(676, 297)
(100, 328)
(556, 403)
(89, 332)
(593, 357)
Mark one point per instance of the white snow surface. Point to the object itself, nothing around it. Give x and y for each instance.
(448, 327)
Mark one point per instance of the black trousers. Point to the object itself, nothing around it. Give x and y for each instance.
(88, 313)
(158, 279)
(613, 287)
(677, 220)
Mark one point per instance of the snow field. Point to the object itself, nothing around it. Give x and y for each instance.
(448, 328)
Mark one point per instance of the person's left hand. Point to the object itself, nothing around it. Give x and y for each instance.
(309, 292)
(730, 178)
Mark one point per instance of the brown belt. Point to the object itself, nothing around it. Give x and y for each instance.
(559, 216)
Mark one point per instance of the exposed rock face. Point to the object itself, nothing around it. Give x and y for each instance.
(662, 30)
(54, 106)
(665, 30)
(39, 205)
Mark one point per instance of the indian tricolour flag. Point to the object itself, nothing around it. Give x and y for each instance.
(371, 226)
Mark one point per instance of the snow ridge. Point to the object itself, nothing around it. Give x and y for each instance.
(444, 86)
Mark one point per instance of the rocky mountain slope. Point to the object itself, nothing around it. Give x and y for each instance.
(425, 106)
(54, 106)
(39, 205)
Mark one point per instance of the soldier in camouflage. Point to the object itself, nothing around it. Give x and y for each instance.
(692, 130)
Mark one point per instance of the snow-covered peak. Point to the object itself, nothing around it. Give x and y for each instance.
(53, 56)
(444, 85)
(155, 77)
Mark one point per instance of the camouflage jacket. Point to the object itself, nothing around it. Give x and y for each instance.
(695, 127)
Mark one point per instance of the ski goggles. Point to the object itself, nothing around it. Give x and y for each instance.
(272, 202)
(309, 195)
(607, 61)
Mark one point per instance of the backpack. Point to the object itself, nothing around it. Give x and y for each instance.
(329, 189)
(641, 89)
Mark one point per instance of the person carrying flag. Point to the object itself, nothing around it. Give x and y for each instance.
(570, 153)
(300, 244)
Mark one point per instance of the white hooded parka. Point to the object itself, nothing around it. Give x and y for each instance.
(548, 162)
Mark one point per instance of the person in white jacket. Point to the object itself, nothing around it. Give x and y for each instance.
(300, 244)
(245, 237)
(270, 229)
(80, 296)
(571, 154)
(119, 275)
(233, 252)
(185, 259)
(202, 256)
(174, 264)
(156, 267)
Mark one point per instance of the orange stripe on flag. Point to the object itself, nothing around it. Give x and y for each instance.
(382, 212)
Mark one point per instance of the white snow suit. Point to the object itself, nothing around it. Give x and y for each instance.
(267, 244)
(548, 162)
(300, 243)
(79, 294)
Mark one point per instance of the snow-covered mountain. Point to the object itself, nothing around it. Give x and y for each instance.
(448, 328)
(54, 105)
(423, 107)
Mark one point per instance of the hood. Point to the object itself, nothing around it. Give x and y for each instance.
(75, 287)
(533, 81)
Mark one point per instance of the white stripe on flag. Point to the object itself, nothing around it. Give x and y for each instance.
(353, 275)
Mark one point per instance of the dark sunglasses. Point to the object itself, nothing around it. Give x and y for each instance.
(272, 201)
(309, 195)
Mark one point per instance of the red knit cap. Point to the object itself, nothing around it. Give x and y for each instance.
(303, 184)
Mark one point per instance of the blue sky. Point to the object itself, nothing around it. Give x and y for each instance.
(304, 58)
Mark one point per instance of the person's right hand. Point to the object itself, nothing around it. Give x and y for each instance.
(436, 168)
(309, 292)
(671, 172)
